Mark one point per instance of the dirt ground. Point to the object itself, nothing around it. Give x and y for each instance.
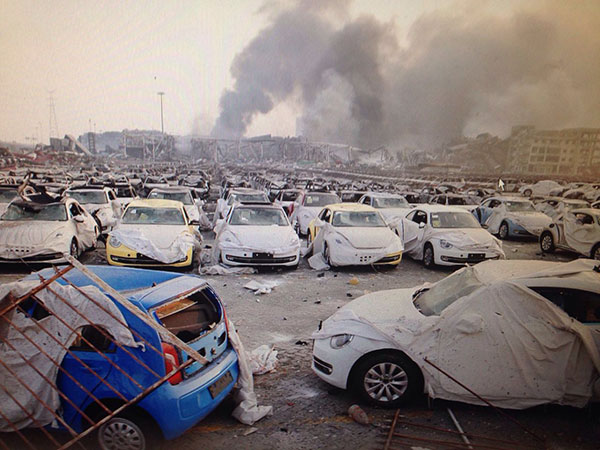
(310, 414)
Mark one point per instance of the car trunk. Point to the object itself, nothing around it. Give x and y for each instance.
(198, 320)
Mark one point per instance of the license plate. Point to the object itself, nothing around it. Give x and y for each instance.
(476, 255)
(262, 255)
(218, 386)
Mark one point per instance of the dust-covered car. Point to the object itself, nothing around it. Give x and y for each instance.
(511, 217)
(307, 206)
(577, 230)
(348, 234)
(446, 235)
(519, 333)
(44, 232)
(257, 235)
(555, 206)
(391, 206)
(153, 233)
(100, 202)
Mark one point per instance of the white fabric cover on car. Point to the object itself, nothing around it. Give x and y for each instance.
(533, 222)
(578, 236)
(136, 240)
(19, 345)
(504, 341)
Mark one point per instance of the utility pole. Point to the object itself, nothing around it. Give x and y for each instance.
(52, 127)
(162, 123)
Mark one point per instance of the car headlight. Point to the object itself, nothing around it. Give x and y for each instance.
(339, 340)
(445, 244)
(114, 242)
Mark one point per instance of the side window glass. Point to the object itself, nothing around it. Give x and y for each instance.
(583, 306)
(93, 336)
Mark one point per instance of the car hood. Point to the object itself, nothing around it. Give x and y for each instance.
(467, 238)
(367, 237)
(162, 236)
(261, 237)
(29, 233)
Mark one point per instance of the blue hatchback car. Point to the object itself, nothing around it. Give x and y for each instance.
(187, 306)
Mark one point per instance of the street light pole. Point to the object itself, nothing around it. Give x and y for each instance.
(162, 123)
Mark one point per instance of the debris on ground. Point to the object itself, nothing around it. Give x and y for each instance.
(261, 287)
(317, 262)
(263, 360)
(353, 281)
(358, 415)
(219, 269)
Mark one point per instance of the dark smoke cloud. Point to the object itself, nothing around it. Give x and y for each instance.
(459, 72)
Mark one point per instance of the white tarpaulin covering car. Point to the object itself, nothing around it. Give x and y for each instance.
(38, 232)
(257, 235)
(446, 235)
(577, 230)
(518, 333)
(77, 311)
(512, 217)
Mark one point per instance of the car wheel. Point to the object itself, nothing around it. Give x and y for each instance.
(527, 192)
(120, 433)
(503, 231)
(327, 254)
(74, 248)
(547, 242)
(387, 379)
(428, 256)
(596, 252)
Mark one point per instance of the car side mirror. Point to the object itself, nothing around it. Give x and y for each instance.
(485, 226)
(421, 225)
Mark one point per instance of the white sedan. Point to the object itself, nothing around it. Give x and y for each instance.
(520, 333)
(447, 235)
(257, 235)
(44, 232)
(577, 230)
(390, 206)
(307, 206)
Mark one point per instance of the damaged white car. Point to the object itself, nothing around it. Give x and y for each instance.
(193, 207)
(258, 235)
(577, 231)
(391, 206)
(511, 217)
(446, 235)
(44, 232)
(518, 333)
(153, 233)
(100, 202)
(348, 234)
(307, 206)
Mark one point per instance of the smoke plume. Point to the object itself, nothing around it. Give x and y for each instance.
(461, 71)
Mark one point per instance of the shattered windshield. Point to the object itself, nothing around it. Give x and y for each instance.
(320, 199)
(433, 300)
(390, 202)
(153, 216)
(89, 197)
(51, 212)
(248, 198)
(520, 206)
(183, 197)
(357, 219)
(260, 217)
(454, 220)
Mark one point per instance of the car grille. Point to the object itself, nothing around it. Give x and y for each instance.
(322, 366)
(260, 260)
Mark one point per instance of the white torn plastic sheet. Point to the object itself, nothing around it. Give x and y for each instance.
(503, 340)
(317, 262)
(263, 359)
(578, 236)
(169, 252)
(218, 269)
(56, 351)
(247, 410)
(532, 221)
(467, 239)
(354, 245)
(261, 287)
(204, 221)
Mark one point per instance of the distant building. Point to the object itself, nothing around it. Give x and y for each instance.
(574, 151)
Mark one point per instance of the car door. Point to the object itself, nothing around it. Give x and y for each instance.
(484, 211)
(85, 226)
(324, 216)
(114, 204)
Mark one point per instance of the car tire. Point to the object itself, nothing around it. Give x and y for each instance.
(125, 432)
(595, 254)
(547, 242)
(503, 231)
(527, 192)
(428, 256)
(387, 379)
(74, 248)
(327, 254)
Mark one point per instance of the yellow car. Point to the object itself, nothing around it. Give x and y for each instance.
(354, 234)
(153, 233)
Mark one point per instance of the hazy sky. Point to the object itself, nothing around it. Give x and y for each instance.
(105, 61)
